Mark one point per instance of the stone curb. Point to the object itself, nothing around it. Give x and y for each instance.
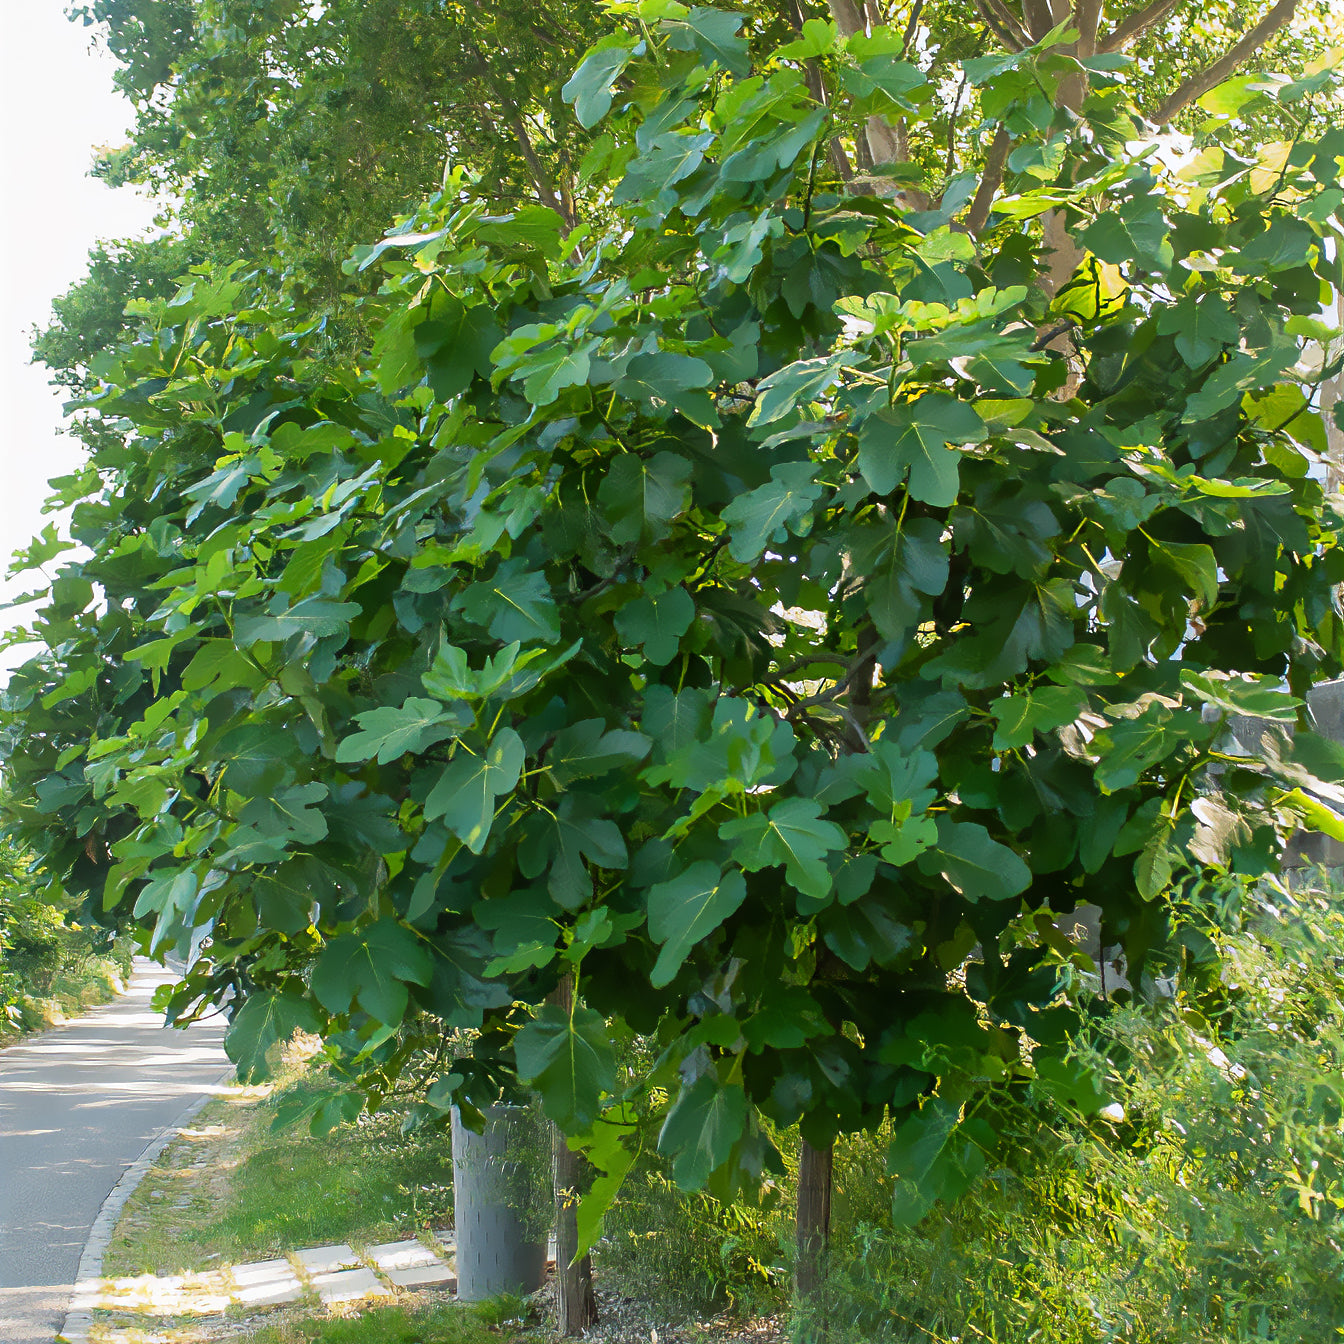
(79, 1317)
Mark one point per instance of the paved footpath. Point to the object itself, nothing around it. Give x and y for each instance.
(78, 1105)
(320, 1275)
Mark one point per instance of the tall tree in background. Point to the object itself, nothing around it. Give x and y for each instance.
(748, 610)
(283, 134)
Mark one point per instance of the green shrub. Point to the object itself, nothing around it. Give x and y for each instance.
(50, 966)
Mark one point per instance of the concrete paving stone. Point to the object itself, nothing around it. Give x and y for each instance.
(266, 1283)
(424, 1276)
(169, 1295)
(327, 1259)
(269, 1294)
(401, 1255)
(261, 1271)
(349, 1284)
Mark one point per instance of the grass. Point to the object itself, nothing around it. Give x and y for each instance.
(231, 1190)
(422, 1321)
(432, 1323)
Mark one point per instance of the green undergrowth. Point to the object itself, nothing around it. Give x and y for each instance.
(263, 1192)
(691, 1255)
(1205, 1207)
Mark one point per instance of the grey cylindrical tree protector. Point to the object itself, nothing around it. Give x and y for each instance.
(501, 1197)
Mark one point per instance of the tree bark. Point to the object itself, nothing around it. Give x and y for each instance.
(1003, 24)
(883, 143)
(1136, 25)
(575, 1300)
(814, 1218)
(995, 163)
(1198, 85)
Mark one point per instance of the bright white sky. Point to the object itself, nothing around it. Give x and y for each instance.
(56, 103)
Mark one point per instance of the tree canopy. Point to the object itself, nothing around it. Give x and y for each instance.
(767, 603)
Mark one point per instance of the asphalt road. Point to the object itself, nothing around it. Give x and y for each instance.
(78, 1105)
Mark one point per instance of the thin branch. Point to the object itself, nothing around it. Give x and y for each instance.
(1053, 333)
(543, 183)
(996, 161)
(914, 197)
(810, 660)
(1213, 75)
(1136, 25)
(952, 126)
(1002, 24)
(912, 27)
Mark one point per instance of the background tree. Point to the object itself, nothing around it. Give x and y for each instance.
(286, 133)
(753, 612)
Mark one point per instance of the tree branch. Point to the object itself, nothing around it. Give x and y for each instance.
(883, 139)
(543, 183)
(1073, 88)
(847, 16)
(811, 660)
(1210, 77)
(952, 127)
(914, 197)
(1088, 18)
(995, 163)
(1044, 340)
(540, 179)
(912, 27)
(1136, 25)
(816, 86)
(1039, 18)
(1002, 24)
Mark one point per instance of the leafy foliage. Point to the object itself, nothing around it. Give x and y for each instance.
(774, 615)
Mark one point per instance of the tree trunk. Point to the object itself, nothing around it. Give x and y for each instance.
(575, 1300)
(814, 1218)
